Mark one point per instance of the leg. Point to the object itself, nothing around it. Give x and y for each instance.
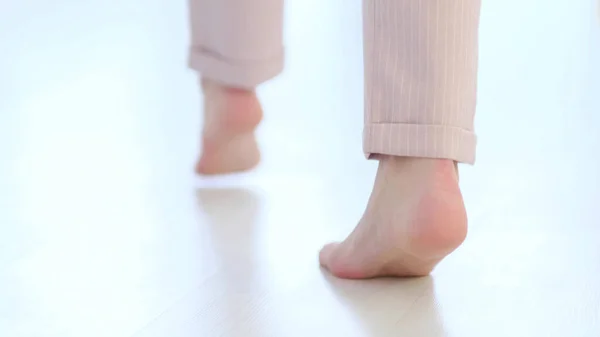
(420, 88)
(236, 45)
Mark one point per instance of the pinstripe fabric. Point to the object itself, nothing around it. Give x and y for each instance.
(420, 67)
(236, 42)
(420, 77)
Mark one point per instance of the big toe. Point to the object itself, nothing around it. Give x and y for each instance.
(334, 257)
(327, 253)
(206, 164)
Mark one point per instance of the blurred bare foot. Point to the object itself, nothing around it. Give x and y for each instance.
(415, 217)
(231, 116)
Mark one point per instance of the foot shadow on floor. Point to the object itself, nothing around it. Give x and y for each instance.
(232, 219)
(391, 307)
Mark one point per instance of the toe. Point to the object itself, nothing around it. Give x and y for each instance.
(334, 257)
(202, 166)
(325, 256)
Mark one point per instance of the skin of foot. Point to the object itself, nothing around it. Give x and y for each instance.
(415, 215)
(231, 116)
(414, 218)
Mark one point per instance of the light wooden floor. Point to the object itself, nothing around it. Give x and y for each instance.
(104, 231)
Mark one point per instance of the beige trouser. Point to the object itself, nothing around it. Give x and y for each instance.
(420, 66)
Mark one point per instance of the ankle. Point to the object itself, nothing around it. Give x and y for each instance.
(418, 167)
(211, 85)
(228, 110)
(441, 221)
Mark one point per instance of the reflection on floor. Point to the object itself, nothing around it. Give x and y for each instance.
(104, 231)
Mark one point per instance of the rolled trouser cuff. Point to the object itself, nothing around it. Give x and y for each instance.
(424, 141)
(245, 74)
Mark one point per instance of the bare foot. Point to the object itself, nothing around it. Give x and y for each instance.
(230, 117)
(414, 218)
